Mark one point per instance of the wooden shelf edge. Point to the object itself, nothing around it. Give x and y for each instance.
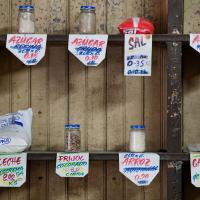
(115, 39)
(106, 156)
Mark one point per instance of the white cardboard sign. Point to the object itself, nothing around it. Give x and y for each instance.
(29, 48)
(140, 168)
(137, 55)
(72, 164)
(195, 168)
(13, 169)
(195, 41)
(89, 49)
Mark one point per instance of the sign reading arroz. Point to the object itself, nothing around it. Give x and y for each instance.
(140, 168)
(29, 48)
(13, 169)
(72, 164)
(195, 168)
(195, 41)
(89, 49)
(137, 55)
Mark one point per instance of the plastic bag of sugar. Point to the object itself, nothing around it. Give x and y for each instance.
(15, 131)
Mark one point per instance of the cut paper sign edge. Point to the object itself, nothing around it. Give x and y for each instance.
(24, 156)
(195, 41)
(138, 55)
(195, 168)
(129, 166)
(63, 162)
(35, 41)
(85, 45)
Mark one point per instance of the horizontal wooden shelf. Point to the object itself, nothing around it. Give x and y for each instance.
(100, 156)
(117, 39)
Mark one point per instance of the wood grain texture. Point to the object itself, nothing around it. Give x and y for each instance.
(115, 182)
(115, 100)
(38, 180)
(39, 103)
(57, 97)
(58, 16)
(5, 16)
(56, 184)
(191, 11)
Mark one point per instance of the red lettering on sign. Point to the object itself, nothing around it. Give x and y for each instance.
(10, 161)
(196, 162)
(25, 40)
(137, 161)
(88, 42)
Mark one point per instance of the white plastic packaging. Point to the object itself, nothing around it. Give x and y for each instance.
(15, 131)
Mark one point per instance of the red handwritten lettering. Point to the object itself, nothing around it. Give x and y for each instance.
(196, 162)
(25, 40)
(10, 161)
(88, 42)
(196, 39)
(136, 161)
(70, 158)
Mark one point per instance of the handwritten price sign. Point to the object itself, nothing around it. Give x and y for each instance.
(138, 54)
(140, 168)
(12, 170)
(195, 169)
(72, 164)
(29, 48)
(195, 41)
(89, 49)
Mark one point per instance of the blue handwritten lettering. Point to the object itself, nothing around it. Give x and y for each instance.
(91, 63)
(140, 169)
(5, 140)
(136, 71)
(32, 61)
(142, 182)
(84, 50)
(24, 48)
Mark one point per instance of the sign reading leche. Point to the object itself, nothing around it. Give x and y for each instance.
(12, 169)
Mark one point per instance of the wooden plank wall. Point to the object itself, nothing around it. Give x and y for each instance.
(102, 100)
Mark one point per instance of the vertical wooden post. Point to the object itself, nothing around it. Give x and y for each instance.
(174, 99)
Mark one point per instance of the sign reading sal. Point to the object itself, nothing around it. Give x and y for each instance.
(72, 164)
(140, 168)
(195, 41)
(89, 49)
(12, 170)
(138, 54)
(195, 169)
(29, 48)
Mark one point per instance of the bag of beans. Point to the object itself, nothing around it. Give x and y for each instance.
(136, 25)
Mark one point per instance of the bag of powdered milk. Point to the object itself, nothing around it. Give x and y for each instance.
(15, 131)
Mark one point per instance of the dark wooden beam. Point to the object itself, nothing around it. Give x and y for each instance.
(115, 39)
(174, 99)
(97, 156)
